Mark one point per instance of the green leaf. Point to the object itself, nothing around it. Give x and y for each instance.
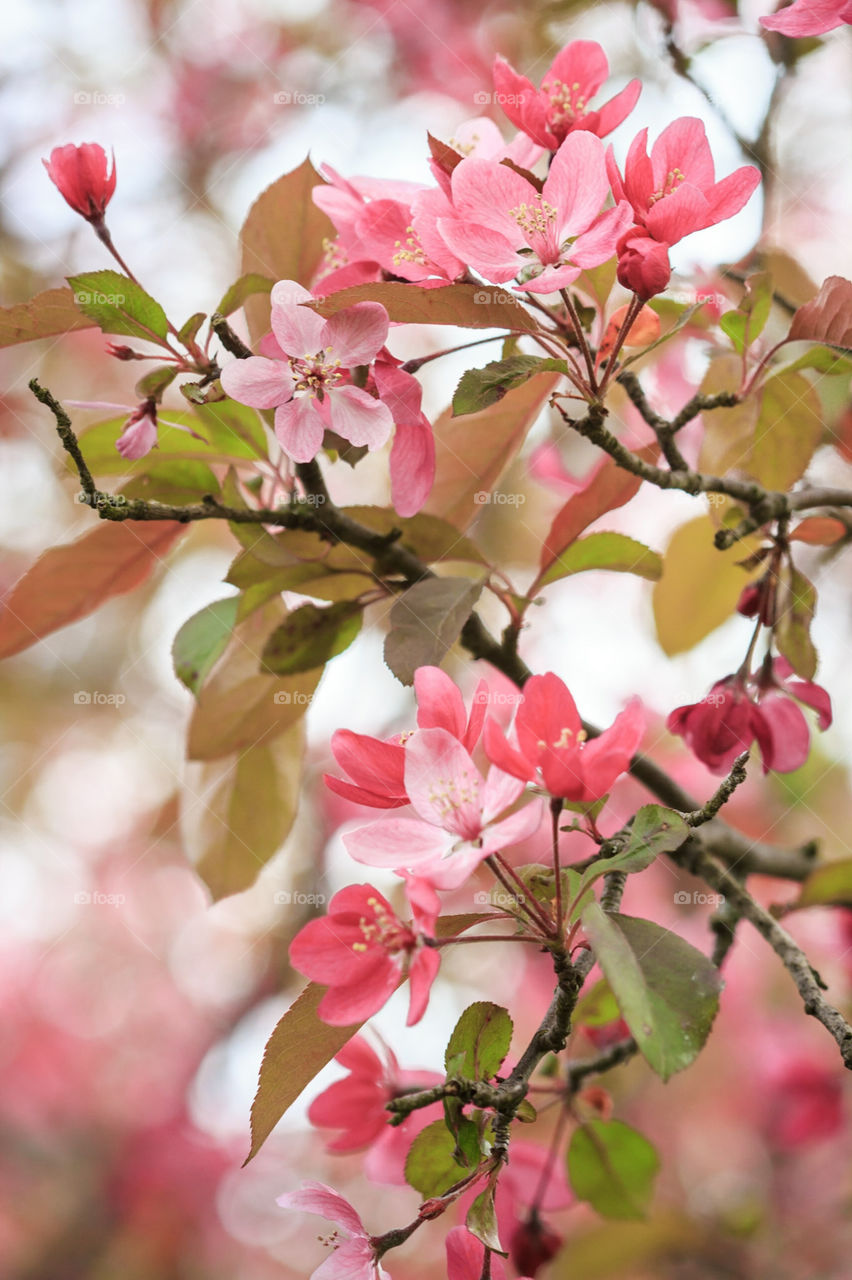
(613, 551)
(45, 315)
(238, 812)
(470, 306)
(788, 431)
(246, 287)
(733, 323)
(655, 830)
(728, 432)
(310, 636)
(793, 629)
(231, 432)
(745, 325)
(430, 1166)
(426, 621)
(153, 384)
(613, 1167)
(429, 537)
(71, 581)
(189, 329)
(299, 1047)
(667, 991)
(202, 640)
(119, 305)
(176, 481)
(480, 1041)
(481, 1221)
(597, 1008)
(283, 238)
(480, 388)
(829, 886)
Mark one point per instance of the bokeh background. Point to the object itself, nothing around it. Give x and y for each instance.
(134, 1014)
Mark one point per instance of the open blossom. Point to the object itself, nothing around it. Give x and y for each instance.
(84, 177)
(377, 768)
(673, 192)
(561, 105)
(737, 711)
(552, 746)
(304, 380)
(455, 827)
(354, 1257)
(504, 227)
(361, 950)
(809, 17)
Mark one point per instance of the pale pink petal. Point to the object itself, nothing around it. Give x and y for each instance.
(298, 330)
(357, 333)
(484, 193)
(259, 382)
(612, 113)
(412, 466)
(808, 18)
(443, 783)
(395, 842)
(500, 790)
(598, 244)
(138, 437)
(552, 279)
(424, 969)
(300, 428)
(733, 192)
(359, 417)
(577, 184)
(516, 828)
(439, 702)
(491, 253)
(501, 753)
(316, 1197)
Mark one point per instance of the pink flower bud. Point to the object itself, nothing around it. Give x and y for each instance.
(82, 178)
(533, 1244)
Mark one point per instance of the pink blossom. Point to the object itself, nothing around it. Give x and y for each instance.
(377, 768)
(533, 1244)
(412, 459)
(139, 434)
(673, 193)
(455, 828)
(809, 17)
(549, 114)
(481, 138)
(804, 1102)
(361, 950)
(304, 381)
(84, 178)
(354, 1257)
(552, 745)
(465, 1254)
(503, 227)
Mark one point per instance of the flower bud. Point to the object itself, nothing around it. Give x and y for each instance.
(82, 178)
(533, 1244)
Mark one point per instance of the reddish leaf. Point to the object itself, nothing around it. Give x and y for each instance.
(818, 531)
(48, 313)
(471, 306)
(827, 317)
(71, 581)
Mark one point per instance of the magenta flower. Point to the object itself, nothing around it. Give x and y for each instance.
(503, 227)
(354, 1257)
(455, 828)
(84, 178)
(809, 17)
(377, 768)
(736, 712)
(552, 746)
(560, 106)
(361, 951)
(673, 193)
(305, 381)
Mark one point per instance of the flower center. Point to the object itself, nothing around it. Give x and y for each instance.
(536, 218)
(448, 795)
(673, 180)
(564, 739)
(409, 250)
(384, 930)
(566, 101)
(317, 373)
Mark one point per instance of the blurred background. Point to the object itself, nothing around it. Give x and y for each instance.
(133, 1014)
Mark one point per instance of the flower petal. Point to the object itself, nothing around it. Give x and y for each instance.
(258, 381)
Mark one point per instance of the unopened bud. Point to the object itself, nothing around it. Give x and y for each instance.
(533, 1244)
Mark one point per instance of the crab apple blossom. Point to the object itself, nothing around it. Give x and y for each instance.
(465, 1253)
(809, 17)
(504, 227)
(377, 768)
(354, 1257)
(139, 434)
(672, 192)
(561, 105)
(84, 178)
(455, 828)
(552, 746)
(361, 950)
(304, 380)
(412, 459)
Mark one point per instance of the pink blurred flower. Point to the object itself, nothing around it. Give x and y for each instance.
(455, 828)
(809, 17)
(465, 1255)
(354, 1258)
(804, 1103)
(83, 177)
(550, 113)
(533, 1244)
(673, 193)
(361, 950)
(552, 746)
(304, 380)
(503, 227)
(377, 768)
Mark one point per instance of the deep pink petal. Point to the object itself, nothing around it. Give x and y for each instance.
(679, 214)
(502, 754)
(375, 765)
(522, 103)
(548, 714)
(342, 1006)
(808, 18)
(598, 244)
(424, 970)
(782, 733)
(439, 702)
(733, 192)
(683, 146)
(612, 113)
(814, 696)
(360, 1058)
(606, 757)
